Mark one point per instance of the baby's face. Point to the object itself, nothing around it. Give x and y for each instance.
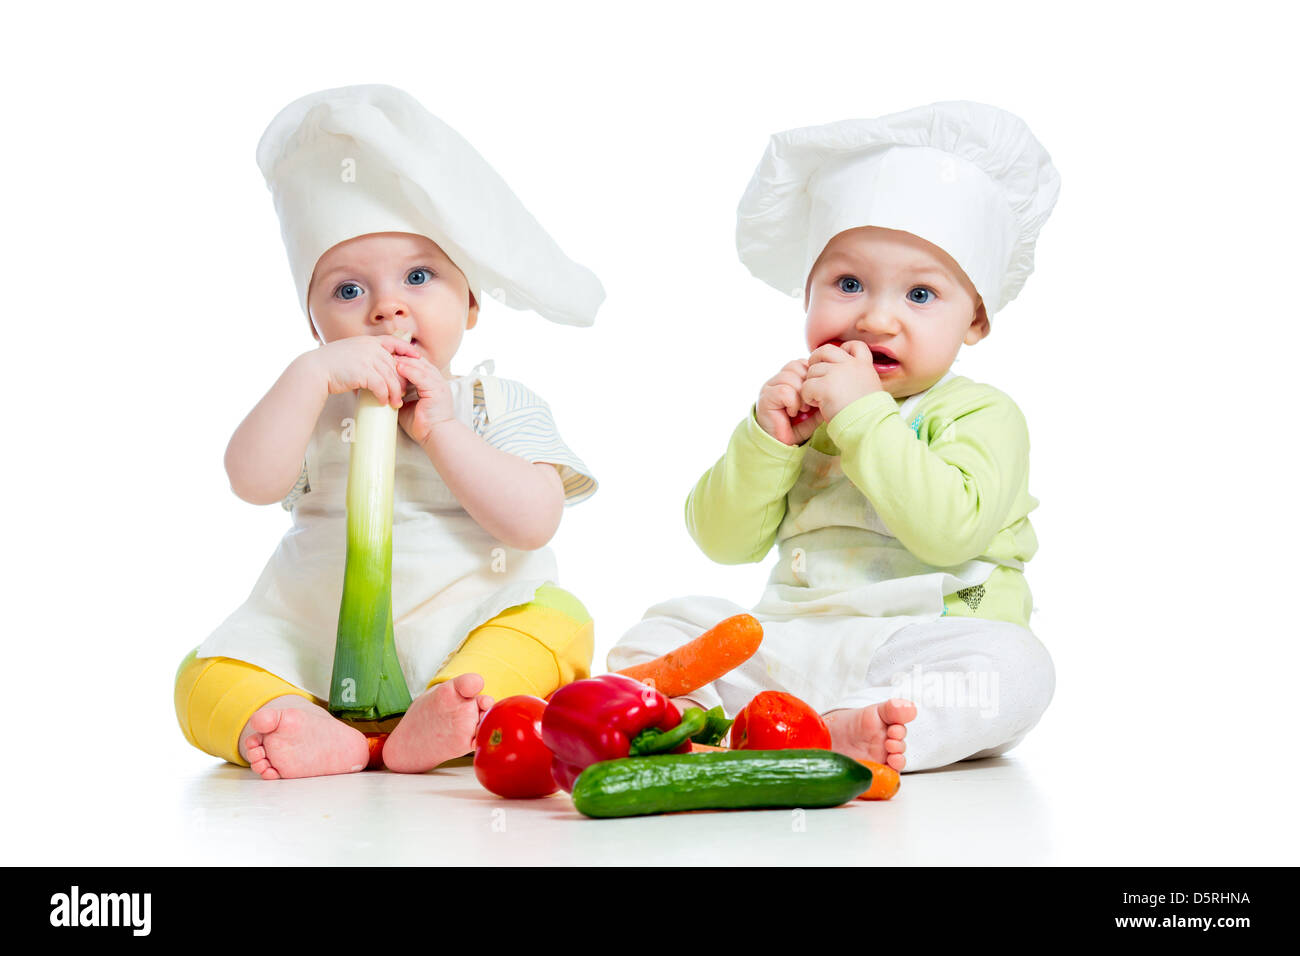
(389, 282)
(894, 290)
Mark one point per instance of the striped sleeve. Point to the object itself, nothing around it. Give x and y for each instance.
(300, 488)
(514, 419)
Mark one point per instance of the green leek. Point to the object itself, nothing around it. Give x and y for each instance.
(367, 681)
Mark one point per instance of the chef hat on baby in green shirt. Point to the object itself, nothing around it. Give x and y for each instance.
(967, 177)
(357, 160)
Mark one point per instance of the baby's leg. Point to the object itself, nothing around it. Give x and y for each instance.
(239, 712)
(978, 687)
(673, 623)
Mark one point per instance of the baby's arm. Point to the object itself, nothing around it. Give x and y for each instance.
(516, 501)
(264, 457)
(947, 499)
(735, 509)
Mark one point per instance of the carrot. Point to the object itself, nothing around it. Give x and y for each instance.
(721, 648)
(884, 782)
(706, 748)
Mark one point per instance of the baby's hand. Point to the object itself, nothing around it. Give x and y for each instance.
(779, 402)
(433, 404)
(838, 375)
(365, 361)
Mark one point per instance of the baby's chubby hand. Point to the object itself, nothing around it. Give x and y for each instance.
(838, 375)
(779, 402)
(364, 361)
(433, 404)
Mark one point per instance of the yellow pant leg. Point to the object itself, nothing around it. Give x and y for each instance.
(215, 696)
(531, 648)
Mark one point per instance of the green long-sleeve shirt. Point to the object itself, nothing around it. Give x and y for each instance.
(951, 485)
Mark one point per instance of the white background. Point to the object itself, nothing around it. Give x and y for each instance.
(148, 306)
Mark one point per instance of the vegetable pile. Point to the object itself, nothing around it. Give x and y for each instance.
(620, 747)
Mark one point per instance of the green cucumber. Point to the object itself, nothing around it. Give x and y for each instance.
(730, 780)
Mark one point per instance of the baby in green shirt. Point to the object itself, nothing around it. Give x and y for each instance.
(895, 491)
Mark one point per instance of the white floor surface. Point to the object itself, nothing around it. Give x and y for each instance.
(187, 809)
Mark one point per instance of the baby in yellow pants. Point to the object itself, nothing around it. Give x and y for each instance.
(394, 226)
(248, 716)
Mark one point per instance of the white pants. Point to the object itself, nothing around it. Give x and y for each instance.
(979, 686)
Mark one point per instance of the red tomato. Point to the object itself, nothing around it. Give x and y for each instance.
(510, 758)
(776, 721)
(375, 741)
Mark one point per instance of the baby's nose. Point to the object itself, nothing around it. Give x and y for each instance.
(876, 319)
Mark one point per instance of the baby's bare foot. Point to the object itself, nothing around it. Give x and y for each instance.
(439, 725)
(303, 742)
(872, 733)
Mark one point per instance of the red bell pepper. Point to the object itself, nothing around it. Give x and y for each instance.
(601, 718)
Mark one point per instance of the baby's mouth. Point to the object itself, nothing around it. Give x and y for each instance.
(882, 362)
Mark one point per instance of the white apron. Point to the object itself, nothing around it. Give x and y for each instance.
(449, 575)
(843, 585)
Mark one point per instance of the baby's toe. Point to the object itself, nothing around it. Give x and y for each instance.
(894, 746)
(468, 685)
(896, 731)
(265, 720)
(897, 761)
(897, 711)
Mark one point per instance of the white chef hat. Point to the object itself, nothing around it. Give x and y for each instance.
(356, 160)
(967, 177)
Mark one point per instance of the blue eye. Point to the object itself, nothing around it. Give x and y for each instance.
(417, 272)
(850, 285)
(928, 292)
(341, 292)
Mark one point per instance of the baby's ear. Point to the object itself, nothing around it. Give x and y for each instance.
(980, 327)
(472, 319)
